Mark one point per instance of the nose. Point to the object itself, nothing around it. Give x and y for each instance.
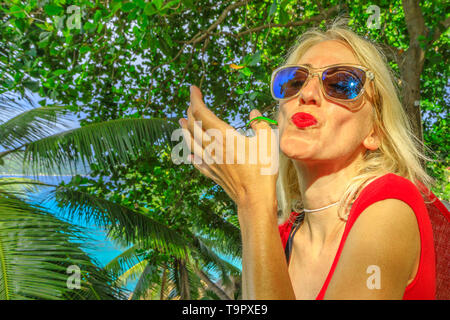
(310, 92)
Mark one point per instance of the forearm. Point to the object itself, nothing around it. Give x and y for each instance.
(264, 268)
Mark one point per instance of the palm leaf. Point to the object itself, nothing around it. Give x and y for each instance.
(9, 106)
(108, 143)
(134, 226)
(143, 284)
(212, 260)
(32, 125)
(20, 186)
(225, 236)
(35, 251)
(124, 261)
(132, 273)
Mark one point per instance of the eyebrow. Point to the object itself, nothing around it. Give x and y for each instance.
(311, 66)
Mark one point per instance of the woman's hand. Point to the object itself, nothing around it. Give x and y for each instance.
(247, 178)
(264, 268)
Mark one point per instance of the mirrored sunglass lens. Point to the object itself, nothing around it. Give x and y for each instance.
(343, 82)
(287, 82)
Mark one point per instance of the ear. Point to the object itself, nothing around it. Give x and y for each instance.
(372, 141)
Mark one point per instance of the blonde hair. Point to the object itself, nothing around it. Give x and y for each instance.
(399, 150)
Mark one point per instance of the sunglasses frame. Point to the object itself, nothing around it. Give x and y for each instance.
(319, 72)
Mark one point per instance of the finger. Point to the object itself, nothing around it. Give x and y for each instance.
(195, 147)
(258, 124)
(201, 140)
(192, 144)
(195, 127)
(199, 111)
(210, 173)
(205, 169)
(262, 129)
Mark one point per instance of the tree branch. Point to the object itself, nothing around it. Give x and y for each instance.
(200, 36)
(6, 152)
(317, 18)
(415, 22)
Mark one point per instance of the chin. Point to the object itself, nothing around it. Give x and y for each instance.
(295, 148)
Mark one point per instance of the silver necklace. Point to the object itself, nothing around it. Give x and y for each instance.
(323, 208)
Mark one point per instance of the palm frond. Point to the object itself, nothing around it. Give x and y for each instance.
(195, 283)
(134, 226)
(219, 292)
(32, 125)
(144, 283)
(226, 235)
(124, 260)
(108, 143)
(35, 251)
(19, 185)
(132, 273)
(9, 106)
(212, 260)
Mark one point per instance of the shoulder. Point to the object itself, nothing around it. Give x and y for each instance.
(389, 198)
(387, 219)
(390, 221)
(384, 236)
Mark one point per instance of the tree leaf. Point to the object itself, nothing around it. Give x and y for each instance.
(53, 10)
(150, 9)
(127, 7)
(273, 8)
(158, 3)
(236, 67)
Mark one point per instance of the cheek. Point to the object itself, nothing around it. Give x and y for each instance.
(341, 130)
(347, 133)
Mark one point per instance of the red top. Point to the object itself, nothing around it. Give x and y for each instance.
(390, 186)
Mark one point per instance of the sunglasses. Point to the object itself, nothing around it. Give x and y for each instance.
(339, 82)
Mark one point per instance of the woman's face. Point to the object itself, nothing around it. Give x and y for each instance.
(340, 132)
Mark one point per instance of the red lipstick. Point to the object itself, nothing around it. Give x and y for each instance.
(303, 120)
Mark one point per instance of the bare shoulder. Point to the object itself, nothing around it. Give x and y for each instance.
(387, 219)
(385, 237)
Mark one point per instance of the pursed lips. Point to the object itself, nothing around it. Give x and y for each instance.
(303, 119)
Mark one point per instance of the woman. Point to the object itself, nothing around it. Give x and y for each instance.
(348, 168)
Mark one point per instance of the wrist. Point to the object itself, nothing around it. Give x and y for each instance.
(257, 209)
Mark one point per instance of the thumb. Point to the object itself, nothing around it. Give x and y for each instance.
(196, 95)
